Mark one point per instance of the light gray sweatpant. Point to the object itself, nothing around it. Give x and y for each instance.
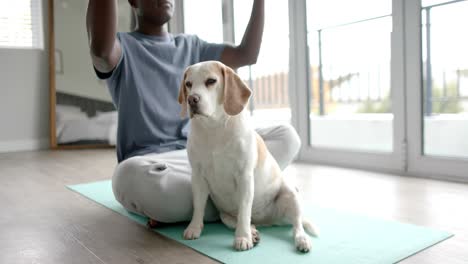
(159, 185)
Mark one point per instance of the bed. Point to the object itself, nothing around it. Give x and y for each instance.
(81, 120)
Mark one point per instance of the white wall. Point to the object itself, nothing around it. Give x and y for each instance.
(24, 96)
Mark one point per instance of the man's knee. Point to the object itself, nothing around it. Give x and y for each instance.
(125, 175)
(288, 145)
(138, 184)
(292, 141)
(282, 141)
(157, 190)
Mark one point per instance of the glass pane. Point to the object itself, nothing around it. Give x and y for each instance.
(268, 78)
(445, 80)
(207, 27)
(350, 104)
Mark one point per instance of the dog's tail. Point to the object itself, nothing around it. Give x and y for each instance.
(310, 228)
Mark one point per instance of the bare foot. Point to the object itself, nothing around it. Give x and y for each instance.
(152, 223)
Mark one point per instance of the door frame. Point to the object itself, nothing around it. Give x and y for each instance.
(445, 168)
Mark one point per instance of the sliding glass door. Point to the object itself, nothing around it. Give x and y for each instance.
(445, 78)
(354, 88)
(437, 88)
(350, 89)
(386, 85)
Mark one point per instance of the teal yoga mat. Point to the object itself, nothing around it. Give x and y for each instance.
(344, 237)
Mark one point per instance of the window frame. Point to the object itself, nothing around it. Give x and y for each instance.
(445, 168)
(388, 162)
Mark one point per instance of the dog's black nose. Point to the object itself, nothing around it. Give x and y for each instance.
(193, 99)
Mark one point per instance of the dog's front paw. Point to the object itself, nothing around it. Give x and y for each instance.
(303, 243)
(243, 243)
(192, 232)
(255, 235)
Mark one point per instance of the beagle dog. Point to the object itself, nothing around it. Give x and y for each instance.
(230, 162)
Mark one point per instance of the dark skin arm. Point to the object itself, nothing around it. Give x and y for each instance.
(247, 52)
(101, 23)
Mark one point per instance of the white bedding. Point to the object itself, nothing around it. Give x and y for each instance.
(72, 125)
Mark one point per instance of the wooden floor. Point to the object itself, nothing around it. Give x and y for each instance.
(43, 222)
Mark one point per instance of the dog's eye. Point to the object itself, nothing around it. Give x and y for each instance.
(210, 81)
(188, 84)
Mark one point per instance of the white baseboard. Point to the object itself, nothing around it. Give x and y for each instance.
(24, 145)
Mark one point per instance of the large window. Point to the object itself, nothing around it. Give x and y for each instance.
(445, 78)
(21, 24)
(378, 84)
(350, 93)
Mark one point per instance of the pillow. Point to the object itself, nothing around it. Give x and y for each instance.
(67, 108)
(65, 113)
(106, 117)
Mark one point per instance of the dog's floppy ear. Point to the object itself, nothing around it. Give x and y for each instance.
(183, 97)
(236, 92)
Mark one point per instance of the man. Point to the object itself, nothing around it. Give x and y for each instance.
(143, 70)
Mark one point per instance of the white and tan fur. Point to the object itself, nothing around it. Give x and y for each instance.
(230, 162)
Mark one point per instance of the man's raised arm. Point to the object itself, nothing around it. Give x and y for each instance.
(247, 52)
(101, 23)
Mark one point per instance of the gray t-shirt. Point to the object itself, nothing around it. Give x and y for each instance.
(144, 87)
